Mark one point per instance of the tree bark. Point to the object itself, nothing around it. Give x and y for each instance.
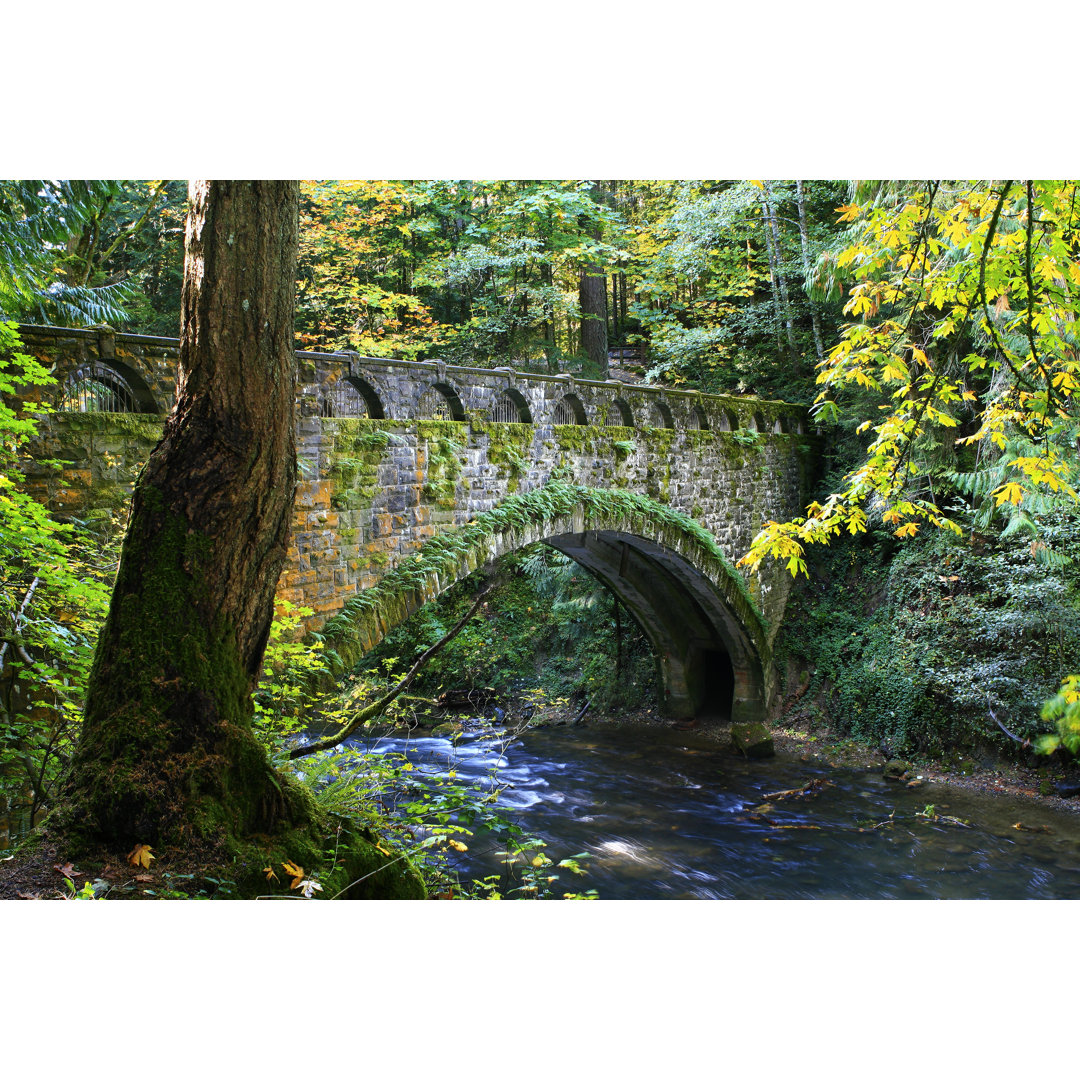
(592, 296)
(780, 293)
(592, 299)
(167, 749)
(804, 240)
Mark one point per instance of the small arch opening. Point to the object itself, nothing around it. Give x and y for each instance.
(440, 401)
(698, 421)
(98, 387)
(619, 414)
(660, 415)
(351, 397)
(511, 408)
(570, 411)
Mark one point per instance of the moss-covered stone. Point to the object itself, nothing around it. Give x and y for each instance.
(752, 740)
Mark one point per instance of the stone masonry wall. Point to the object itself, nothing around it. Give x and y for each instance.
(373, 490)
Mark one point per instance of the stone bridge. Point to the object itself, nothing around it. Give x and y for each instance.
(413, 474)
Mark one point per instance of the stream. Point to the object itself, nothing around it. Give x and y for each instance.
(667, 815)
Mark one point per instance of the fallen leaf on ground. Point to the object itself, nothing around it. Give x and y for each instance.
(295, 872)
(28, 896)
(269, 872)
(67, 870)
(144, 877)
(141, 856)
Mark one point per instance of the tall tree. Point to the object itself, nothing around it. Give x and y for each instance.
(592, 299)
(167, 745)
(804, 245)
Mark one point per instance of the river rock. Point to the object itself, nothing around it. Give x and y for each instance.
(896, 769)
(752, 740)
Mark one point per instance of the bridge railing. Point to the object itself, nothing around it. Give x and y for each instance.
(137, 372)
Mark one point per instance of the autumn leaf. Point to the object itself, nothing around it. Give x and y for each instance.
(144, 877)
(295, 872)
(141, 856)
(457, 845)
(67, 869)
(269, 872)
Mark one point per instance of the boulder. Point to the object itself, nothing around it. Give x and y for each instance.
(896, 769)
(752, 740)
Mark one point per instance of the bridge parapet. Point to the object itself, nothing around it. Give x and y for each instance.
(344, 384)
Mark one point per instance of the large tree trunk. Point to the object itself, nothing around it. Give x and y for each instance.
(167, 748)
(592, 299)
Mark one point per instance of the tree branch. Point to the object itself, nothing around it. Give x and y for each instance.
(380, 706)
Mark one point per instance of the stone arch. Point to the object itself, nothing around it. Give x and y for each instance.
(570, 410)
(619, 414)
(440, 401)
(757, 422)
(106, 386)
(351, 396)
(660, 414)
(510, 407)
(697, 420)
(709, 639)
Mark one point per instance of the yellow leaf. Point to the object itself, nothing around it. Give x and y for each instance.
(910, 529)
(1009, 492)
(295, 872)
(140, 856)
(269, 872)
(457, 845)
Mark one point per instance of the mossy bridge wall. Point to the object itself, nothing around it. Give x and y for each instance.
(376, 488)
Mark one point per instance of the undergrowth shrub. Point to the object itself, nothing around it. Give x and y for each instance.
(916, 647)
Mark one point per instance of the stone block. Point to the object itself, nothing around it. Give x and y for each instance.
(752, 740)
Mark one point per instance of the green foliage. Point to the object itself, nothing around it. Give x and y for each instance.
(546, 634)
(915, 647)
(1063, 709)
(54, 583)
(38, 220)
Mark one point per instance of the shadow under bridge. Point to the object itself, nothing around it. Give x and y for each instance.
(710, 664)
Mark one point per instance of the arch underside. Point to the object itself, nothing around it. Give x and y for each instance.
(709, 666)
(710, 641)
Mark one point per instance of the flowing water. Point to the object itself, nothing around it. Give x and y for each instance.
(669, 815)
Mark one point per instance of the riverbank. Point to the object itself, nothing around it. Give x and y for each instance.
(43, 872)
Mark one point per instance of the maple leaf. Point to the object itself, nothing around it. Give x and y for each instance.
(269, 872)
(141, 856)
(308, 888)
(295, 872)
(67, 869)
(144, 877)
